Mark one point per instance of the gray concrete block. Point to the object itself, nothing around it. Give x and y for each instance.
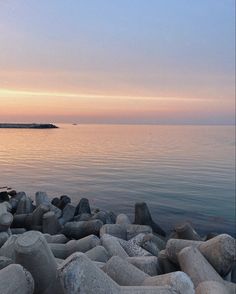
(176, 280)
(122, 219)
(77, 230)
(18, 231)
(112, 246)
(98, 253)
(186, 231)
(165, 265)
(24, 205)
(60, 238)
(174, 246)
(123, 272)
(134, 230)
(132, 246)
(64, 250)
(219, 251)
(42, 198)
(115, 230)
(33, 252)
(211, 287)
(67, 214)
(5, 261)
(78, 274)
(194, 264)
(50, 224)
(3, 238)
(147, 264)
(8, 248)
(16, 280)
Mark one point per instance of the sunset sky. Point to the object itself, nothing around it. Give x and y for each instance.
(117, 61)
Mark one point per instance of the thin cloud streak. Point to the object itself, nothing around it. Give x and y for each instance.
(15, 93)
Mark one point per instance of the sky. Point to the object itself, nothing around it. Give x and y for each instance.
(117, 61)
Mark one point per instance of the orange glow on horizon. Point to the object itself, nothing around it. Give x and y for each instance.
(29, 103)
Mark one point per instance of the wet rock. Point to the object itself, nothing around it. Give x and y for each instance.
(4, 196)
(186, 231)
(64, 200)
(82, 229)
(143, 217)
(83, 207)
(82, 217)
(55, 201)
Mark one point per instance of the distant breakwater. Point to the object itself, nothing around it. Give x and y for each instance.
(26, 126)
(53, 246)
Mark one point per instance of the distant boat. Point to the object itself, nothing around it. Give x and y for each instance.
(74, 124)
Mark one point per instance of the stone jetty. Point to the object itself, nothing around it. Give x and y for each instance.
(52, 246)
(26, 126)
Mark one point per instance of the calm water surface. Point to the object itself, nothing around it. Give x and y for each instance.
(182, 172)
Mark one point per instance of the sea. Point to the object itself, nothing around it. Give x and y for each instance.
(182, 172)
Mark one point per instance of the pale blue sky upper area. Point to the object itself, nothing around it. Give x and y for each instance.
(126, 47)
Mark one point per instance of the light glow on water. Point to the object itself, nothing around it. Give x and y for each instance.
(182, 172)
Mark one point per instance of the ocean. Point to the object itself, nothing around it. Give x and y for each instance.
(181, 172)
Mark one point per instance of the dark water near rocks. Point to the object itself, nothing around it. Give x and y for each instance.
(182, 172)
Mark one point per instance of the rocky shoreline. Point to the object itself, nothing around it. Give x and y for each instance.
(51, 246)
(27, 126)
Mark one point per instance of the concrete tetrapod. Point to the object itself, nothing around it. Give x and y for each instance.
(166, 266)
(33, 252)
(32, 220)
(112, 246)
(6, 217)
(98, 253)
(186, 231)
(51, 224)
(8, 248)
(16, 280)
(143, 217)
(219, 251)
(78, 274)
(147, 264)
(123, 272)
(176, 280)
(82, 229)
(122, 219)
(64, 250)
(42, 198)
(59, 238)
(211, 287)
(194, 264)
(132, 246)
